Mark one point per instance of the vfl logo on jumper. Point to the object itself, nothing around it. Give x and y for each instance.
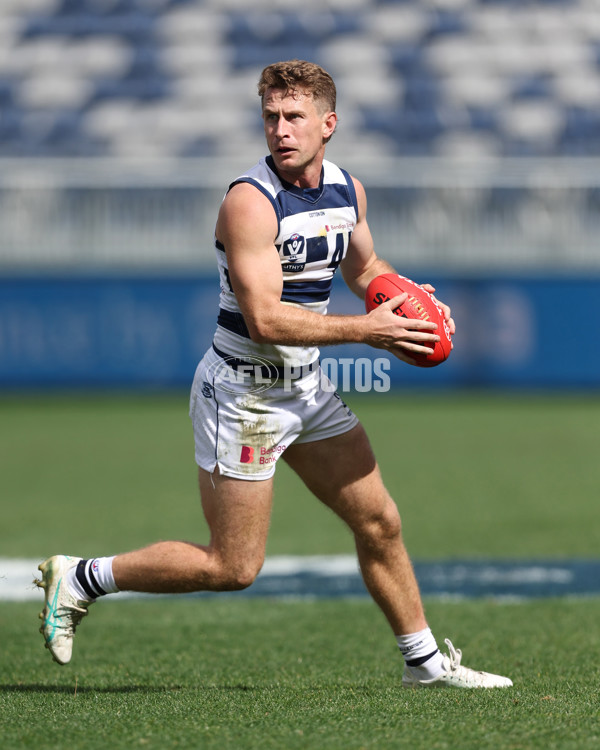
(294, 248)
(293, 253)
(267, 455)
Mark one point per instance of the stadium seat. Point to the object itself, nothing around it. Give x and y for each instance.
(427, 78)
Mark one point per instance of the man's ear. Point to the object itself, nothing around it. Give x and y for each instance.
(329, 124)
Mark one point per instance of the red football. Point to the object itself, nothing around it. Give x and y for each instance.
(420, 305)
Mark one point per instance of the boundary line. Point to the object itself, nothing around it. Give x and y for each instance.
(334, 576)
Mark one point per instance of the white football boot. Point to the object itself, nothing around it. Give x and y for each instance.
(455, 675)
(62, 613)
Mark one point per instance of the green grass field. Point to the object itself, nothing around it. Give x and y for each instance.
(475, 476)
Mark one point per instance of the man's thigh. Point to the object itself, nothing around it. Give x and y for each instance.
(343, 473)
(238, 514)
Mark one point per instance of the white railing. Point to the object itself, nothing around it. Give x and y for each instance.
(488, 215)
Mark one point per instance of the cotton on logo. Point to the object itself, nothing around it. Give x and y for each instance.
(247, 455)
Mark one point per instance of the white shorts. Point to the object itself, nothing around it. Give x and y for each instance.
(243, 424)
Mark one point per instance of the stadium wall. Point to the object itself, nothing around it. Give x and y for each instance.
(144, 331)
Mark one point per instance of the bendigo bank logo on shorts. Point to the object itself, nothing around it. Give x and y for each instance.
(247, 455)
(265, 455)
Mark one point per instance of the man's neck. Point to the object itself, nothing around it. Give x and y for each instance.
(308, 178)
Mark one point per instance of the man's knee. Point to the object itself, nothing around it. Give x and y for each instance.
(381, 525)
(237, 575)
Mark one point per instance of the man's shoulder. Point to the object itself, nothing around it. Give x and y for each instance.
(251, 197)
(335, 175)
(332, 173)
(261, 177)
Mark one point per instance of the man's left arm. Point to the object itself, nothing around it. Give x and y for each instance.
(361, 264)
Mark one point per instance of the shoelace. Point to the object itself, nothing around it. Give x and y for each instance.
(459, 672)
(67, 618)
(455, 654)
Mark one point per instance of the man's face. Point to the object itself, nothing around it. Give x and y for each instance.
(295, 129)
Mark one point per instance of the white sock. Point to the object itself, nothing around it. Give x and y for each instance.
(92, 578)
(421, 654)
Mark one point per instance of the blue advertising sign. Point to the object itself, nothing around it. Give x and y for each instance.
(151, 331)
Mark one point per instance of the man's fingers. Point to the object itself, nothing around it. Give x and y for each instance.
(396, 301)
(414, 324)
